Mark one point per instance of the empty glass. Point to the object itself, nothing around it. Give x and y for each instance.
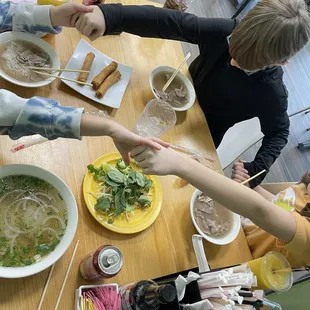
(156, 118)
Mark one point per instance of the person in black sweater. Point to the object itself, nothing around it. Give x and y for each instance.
(237, 75)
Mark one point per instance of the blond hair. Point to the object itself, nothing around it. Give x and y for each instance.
(271, 33)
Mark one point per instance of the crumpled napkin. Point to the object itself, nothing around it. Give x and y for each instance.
(181, 283)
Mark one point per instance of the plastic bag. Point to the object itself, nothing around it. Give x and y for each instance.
(180, 5)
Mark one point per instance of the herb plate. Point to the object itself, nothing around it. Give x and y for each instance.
(141, 219)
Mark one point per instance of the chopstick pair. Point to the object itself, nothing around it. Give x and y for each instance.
(55, 69)
(253, 177)
(61, 78)
(64, 281)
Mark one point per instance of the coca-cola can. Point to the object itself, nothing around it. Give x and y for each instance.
(106, 262)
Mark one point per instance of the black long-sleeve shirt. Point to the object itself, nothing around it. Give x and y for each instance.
(226, 94)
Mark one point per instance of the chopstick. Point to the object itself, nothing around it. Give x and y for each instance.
(66, 276)
(45, 287)
(253, 177)
(55, 69)
(190, 151)
(176, 72)
(62, 78)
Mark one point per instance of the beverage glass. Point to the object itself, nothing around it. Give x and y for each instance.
(273, 272)
(156, 118)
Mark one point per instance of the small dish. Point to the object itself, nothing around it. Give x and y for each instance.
(114, 95)
(226, 238)
(21, 36)
(184, 79)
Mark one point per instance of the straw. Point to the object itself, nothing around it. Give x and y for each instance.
(56, 69)
(45, 287)
(66, 276)
(176, 72)
(188, 150)
(29, 142)
(253, 177)
(62, 78)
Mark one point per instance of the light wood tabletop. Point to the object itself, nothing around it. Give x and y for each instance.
(163, 248)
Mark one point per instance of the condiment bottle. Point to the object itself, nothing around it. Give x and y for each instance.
(105, 262)
(146, 295)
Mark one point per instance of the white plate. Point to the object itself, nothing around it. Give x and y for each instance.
(226, 238)
(21, 36)
(114, 95)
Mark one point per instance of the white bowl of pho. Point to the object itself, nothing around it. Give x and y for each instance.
(180, 94)
(213, 222)
(38, 220)
(18, 52)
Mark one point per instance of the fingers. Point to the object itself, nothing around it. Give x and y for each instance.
(141, 157)
(95, 35)
(150, 143)
(78, 23)
(82, 8)
(126, 158)
(74, 19)
(147, 171)
(87, 31)
(138, 150)
(161, 142)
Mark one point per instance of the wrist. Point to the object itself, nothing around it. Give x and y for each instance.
(53, 16)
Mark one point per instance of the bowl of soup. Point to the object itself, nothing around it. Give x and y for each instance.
(38, 220)
(213, 222)
(20, 52)
(180, 94)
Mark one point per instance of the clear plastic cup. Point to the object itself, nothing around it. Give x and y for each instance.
(273, 272)
(156, 118)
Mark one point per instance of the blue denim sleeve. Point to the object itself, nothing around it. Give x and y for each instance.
(26, 17)
(47, 118)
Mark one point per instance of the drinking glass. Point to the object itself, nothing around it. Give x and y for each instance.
(156, 118)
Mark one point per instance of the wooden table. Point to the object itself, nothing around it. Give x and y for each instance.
(163, 248)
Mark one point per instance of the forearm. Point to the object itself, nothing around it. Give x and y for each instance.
(149, 21)
(92, 125)
(239, 199)
(26, 17)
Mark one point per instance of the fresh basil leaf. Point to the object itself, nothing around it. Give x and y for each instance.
(116, 176)
(144, 201)
(140, 179)
(109, 182)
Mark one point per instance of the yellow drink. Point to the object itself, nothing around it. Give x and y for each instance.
(52, 2)
(265, 270)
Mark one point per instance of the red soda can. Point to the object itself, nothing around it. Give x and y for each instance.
(105, 262)
(92, 2)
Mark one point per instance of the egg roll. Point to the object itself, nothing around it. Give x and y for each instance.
(83, 76)
(98, 80)
(113, 78)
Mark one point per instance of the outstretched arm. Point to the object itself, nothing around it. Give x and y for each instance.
(149, 21)
(230, 194)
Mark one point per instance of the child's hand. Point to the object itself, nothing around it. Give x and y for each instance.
(160, 162)
(91, 25)
(239, 174)
(67, 14)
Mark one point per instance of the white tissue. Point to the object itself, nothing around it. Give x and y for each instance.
(181, 283)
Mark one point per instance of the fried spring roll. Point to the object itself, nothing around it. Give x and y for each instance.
(98, 80)
(113, 78)
(86, 66)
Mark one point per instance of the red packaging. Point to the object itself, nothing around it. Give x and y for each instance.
(92, 2)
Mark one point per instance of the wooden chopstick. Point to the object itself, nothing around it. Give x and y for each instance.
(62, 78)
(66, 276)
(176, 72)
(55, 69)
(253, 177)
(45, 287)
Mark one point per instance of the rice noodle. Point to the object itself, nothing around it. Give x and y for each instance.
(63, 225)
(12, 244)
(50, 230)
(49, 197)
